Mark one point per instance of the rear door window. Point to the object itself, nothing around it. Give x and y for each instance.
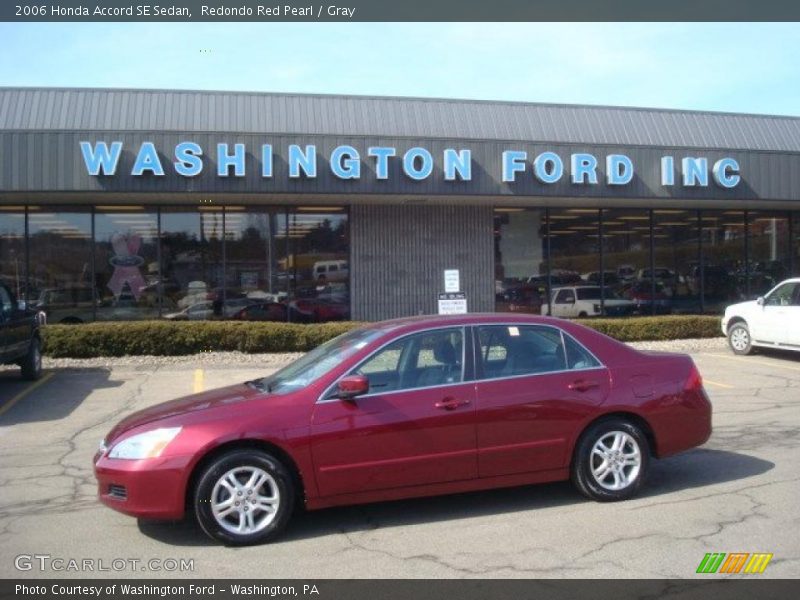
(577, 356)
(512, 350)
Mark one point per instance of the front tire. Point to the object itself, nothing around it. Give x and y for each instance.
(244, 497)
(611, 461)
(32, 363)
(739, 339)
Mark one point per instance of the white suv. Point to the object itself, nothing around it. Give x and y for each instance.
(584, 301)
(772, 321)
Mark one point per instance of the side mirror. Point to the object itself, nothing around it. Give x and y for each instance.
(351, 386)
(760, 300)
(22, 305)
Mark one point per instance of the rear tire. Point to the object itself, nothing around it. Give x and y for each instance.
(244, 497)
(32, 363)
(611, 461)
(739, 339)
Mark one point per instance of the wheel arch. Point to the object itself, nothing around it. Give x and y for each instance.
(733, 321)
(243, 444)
(631, 417)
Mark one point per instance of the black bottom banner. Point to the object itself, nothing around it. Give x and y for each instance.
(417, 589)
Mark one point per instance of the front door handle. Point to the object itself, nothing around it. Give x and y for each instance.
(582, 385)
(450, 403)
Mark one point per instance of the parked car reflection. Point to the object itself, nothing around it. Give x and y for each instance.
(263, 311)
(645, 301)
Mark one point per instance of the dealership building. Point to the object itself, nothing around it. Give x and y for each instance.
(132, 204)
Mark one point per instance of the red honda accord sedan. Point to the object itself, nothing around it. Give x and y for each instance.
(410, 407)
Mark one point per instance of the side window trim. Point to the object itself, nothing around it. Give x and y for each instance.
(326, 395)
(564, 348)
(477, 354)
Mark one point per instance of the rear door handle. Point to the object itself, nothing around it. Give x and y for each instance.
(582, 386)
(450, 403)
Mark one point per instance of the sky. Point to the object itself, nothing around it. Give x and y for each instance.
(734, 67)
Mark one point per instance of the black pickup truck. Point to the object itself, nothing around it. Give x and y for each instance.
(20, 340)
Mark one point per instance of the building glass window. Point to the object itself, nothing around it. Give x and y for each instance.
(317, 264)
(723, 275)
(12, 250)
(769, 259)
(61, 276)
(676, 255)
(126, 263)
(519, 258)
(795, 244)
(255, 263)
(574, 250)
(627, 273)
(192, 264)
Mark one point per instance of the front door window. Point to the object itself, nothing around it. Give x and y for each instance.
(421, 360)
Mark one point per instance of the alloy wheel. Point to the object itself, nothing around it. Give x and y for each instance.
(245, 500)
(740, 339)
(616, 460)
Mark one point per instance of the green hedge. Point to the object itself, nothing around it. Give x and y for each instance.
(166, 338)
(670, 327)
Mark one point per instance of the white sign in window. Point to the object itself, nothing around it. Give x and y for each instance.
(454, 303)
(452, 281)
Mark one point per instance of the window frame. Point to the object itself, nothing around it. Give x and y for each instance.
(773, 292)
(563, 292)
(467, 365)
(478, 359)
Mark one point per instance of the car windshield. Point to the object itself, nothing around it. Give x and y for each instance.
(316, 363)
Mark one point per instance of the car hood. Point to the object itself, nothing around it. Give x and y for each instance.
(188, 404)
(741, 306)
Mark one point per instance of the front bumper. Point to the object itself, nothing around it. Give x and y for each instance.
(153, 488)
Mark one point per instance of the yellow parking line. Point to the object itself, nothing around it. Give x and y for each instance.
(722, 385)
(7, 406)
(756, 361)
(198, 381)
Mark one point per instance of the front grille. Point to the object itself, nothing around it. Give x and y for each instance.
(118, 491)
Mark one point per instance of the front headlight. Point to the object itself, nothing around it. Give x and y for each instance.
(144, 445)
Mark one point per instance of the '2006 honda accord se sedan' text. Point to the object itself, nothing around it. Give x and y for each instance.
(404, 408)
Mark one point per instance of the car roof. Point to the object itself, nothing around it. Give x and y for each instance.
(428, 321)
(613, 352)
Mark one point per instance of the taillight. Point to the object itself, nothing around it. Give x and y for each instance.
(694, 381)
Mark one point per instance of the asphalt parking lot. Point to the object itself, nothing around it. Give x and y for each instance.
(738, 493)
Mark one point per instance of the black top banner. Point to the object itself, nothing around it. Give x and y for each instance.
(398, 10)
